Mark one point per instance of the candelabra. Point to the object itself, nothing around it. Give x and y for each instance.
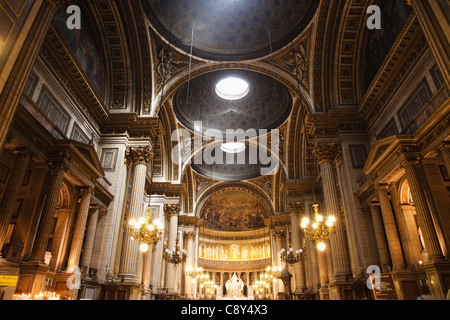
(319, 231)
(147, 231)
(274, 272)
(176, 255)
(291, 257)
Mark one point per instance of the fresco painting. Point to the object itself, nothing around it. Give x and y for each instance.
(234, 211)
(235, 252)
(82, 43)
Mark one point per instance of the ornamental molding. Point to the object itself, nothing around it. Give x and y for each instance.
(172, 210)
(327, 152)
(139, 155)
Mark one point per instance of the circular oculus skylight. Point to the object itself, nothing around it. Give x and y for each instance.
(233, 147)
(232, 88)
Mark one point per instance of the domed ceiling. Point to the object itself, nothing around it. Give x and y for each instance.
(230, 30)
(234, 170)
(266, 106)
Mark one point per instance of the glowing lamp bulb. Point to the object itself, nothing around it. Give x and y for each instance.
(132, 222)
(319, 218)
(144, 247)
(315, 225)
(321, 246)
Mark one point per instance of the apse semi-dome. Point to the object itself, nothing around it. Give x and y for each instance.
(230, 30)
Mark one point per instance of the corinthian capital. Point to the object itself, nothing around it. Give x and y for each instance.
(295, 208)
(172, 209)
(139, 155)
(327, 152)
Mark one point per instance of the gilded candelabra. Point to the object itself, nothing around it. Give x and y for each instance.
(176, 255)
(320, 230)
(147, 231)
(291, 257)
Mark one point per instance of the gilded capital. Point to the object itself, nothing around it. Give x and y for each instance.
(327, 152)
(139, 155)
(189, 235)
(279, 234)
(172, 209)
(295, 208)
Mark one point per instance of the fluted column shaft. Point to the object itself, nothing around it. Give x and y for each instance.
(445, 152)
(380, 236)
(172, 212)
(339, 250)
(46, 222)
(139, 158)
(80, 228)
(424, 217)
(395, 247)
(90, 237)
(9, 199)
(279, 237)
(299, 269)
(322, 260)
(439, 195)
(147, 268)
(189, 261)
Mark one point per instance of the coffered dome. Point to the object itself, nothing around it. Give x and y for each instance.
(230, 30)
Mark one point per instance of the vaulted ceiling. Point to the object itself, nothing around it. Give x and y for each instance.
(230, 29)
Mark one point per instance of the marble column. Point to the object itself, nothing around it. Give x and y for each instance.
(59, 236)
(147, 267)
(395, 247)
(279, 240)
(437, 190)
(444, 150)
(380, 236)
(424, 217)
(9, 199)
(323, 277)
(325, 155)
(190, 263)
(433, 16)
(89, 243)
(171, 211)
(28, 221)
(138, 158)
(48, 212)
(300, 283)
(80, 229)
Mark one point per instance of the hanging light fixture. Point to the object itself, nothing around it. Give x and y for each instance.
(176, 255)
(291, 257)
(319, 230)
(147, 231)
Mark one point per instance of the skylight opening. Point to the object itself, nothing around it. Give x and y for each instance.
(232, 88)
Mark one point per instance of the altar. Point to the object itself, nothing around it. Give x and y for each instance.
(235, 287)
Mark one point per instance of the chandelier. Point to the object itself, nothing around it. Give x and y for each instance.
(147, 231)
(176, 255)
(291, 257)
(274, 272)
(197, 274)
(260, 286)
(209, 286)
(319, 231)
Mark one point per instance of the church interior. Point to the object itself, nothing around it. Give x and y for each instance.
(224, 150)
